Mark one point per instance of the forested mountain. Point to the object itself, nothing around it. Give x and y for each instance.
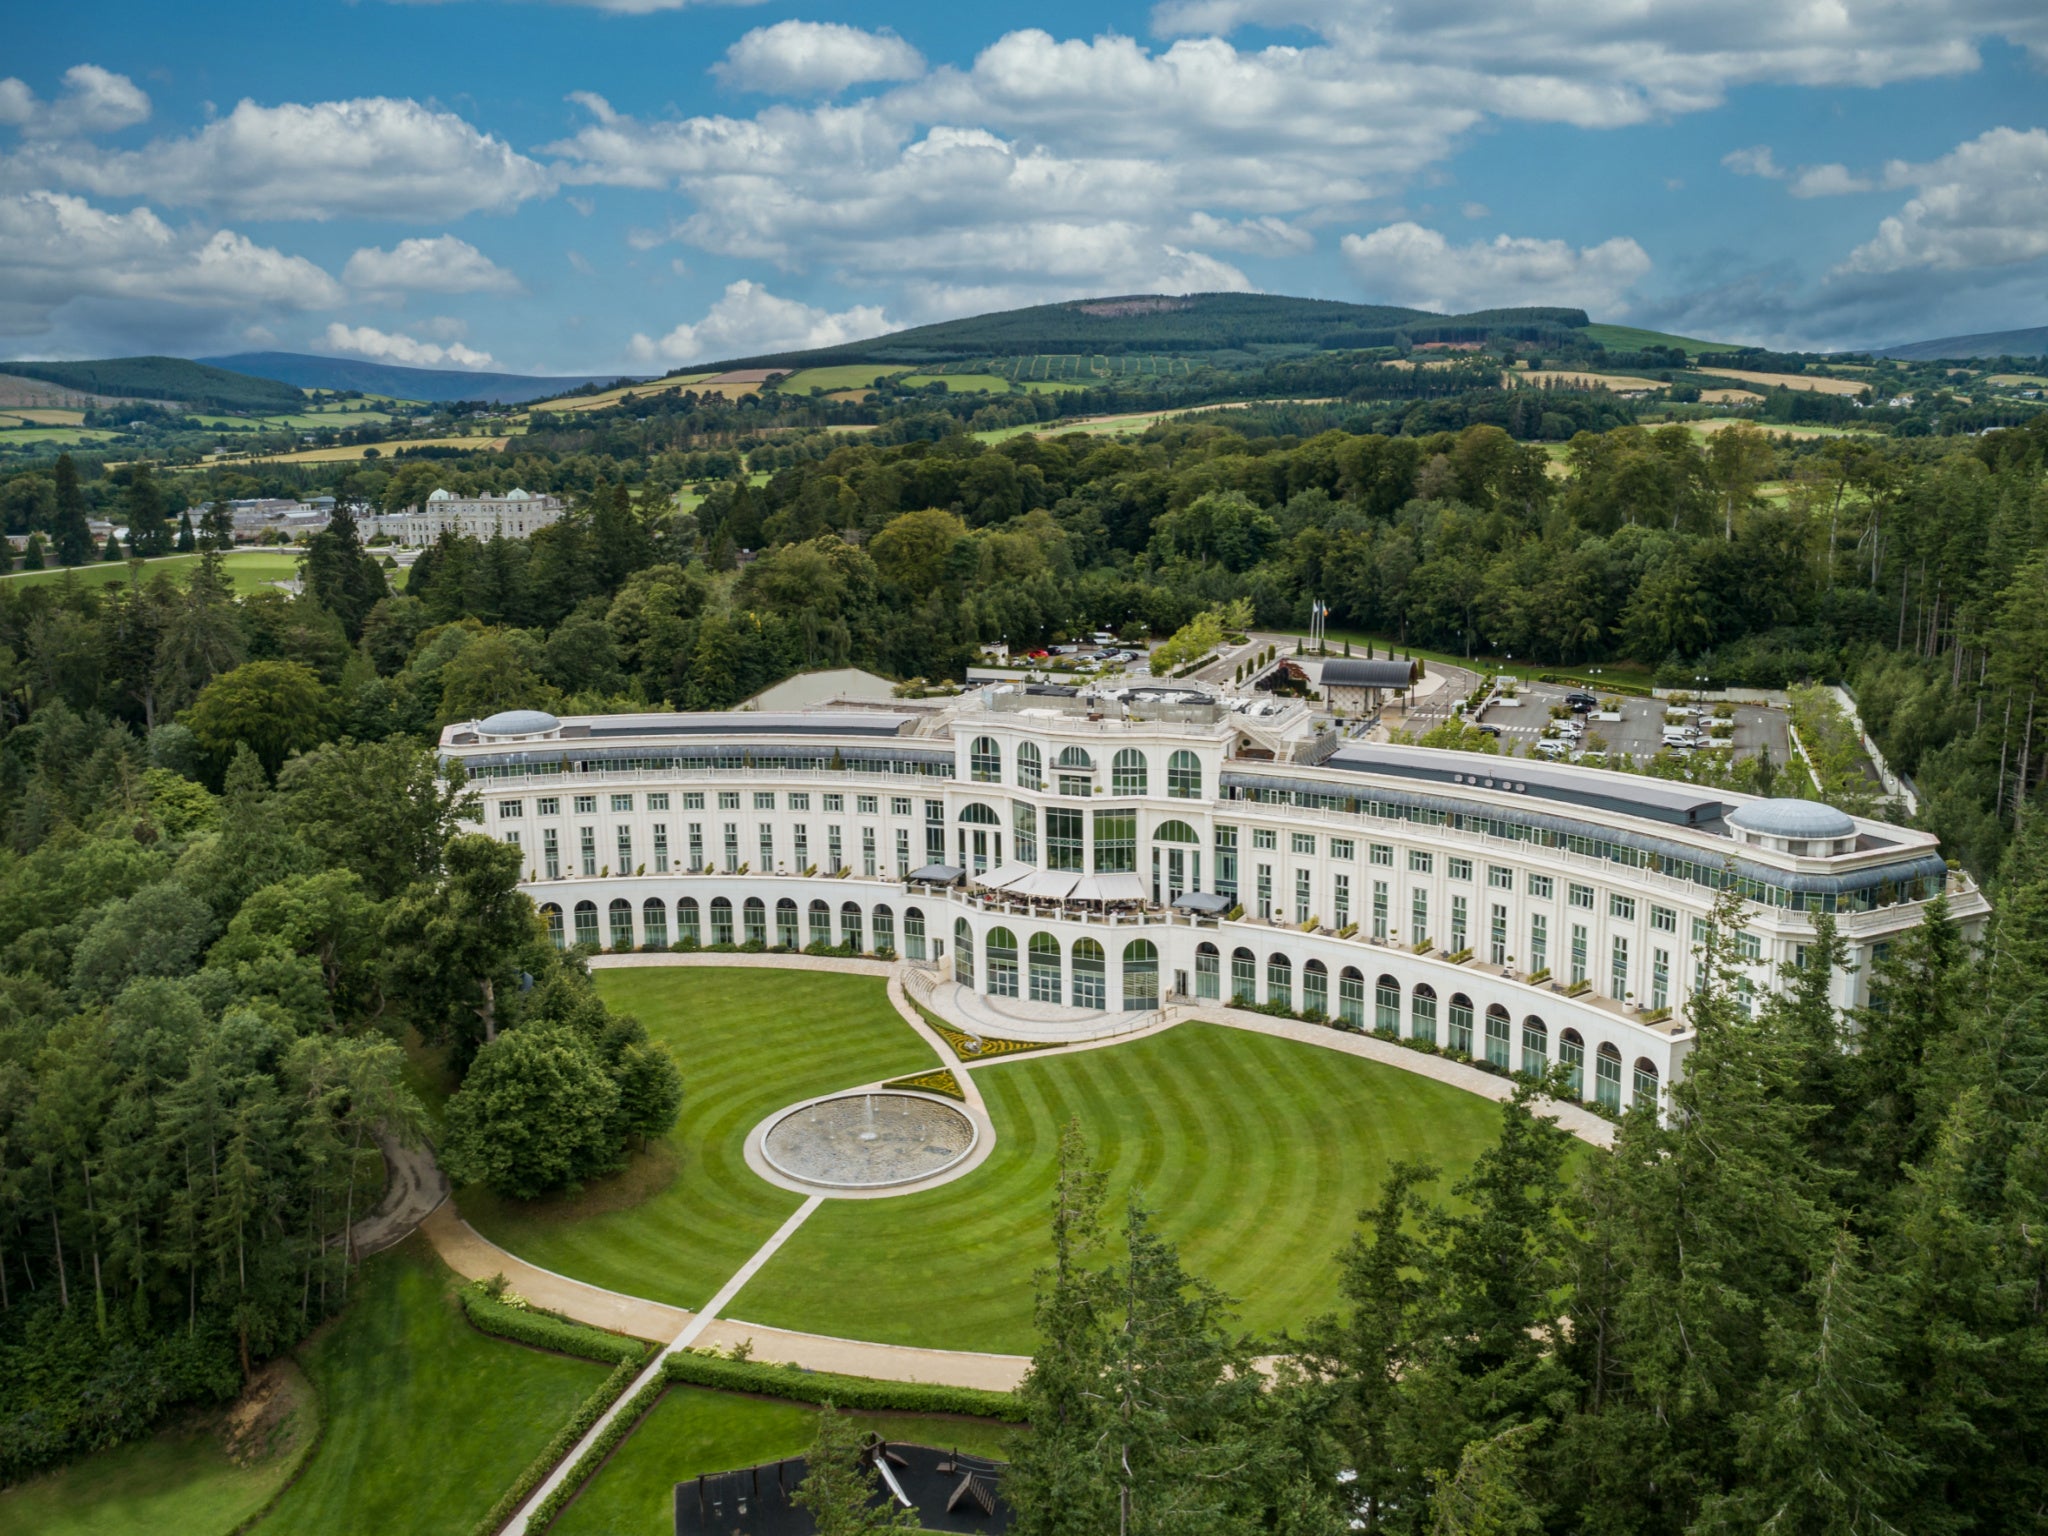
(2032, 342)
(166, 378)
(303, 370)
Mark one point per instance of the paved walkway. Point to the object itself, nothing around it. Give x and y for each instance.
(414, 1188)
(1015, 1018)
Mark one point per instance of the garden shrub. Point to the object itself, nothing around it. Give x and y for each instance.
(728, 1375)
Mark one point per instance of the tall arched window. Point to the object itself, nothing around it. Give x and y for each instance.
(885, 928)
(1458, 1022)
(1127, 772)
(1315, 989)
(1076, 771)
(721, 920)
(1091, 973)
(1422, 1014)
(1571, 1055)
(754, 918)
(849, 926)
(1184, 776)
(1208, 973)
(1280, 981)
(1535, 1046)
(687, 931)
(654, 922)
(1497, 1036)
(821, 923)
(586, 924)
(1244, 976)
(786, 935)
(999, 950)
(1141, 976)
(552, 915)
(1386, 1006)
(1351, 996)
(1607, 1078)
(1045, 968)
(913, 932)
(621, 913)
(963, 953)
(1030, 766)
(1645, 1085)
(985, 761)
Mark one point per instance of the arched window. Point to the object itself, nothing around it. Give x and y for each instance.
(1141, 976)
(1091, 972)
(1208, 973)
(999, 950)
(1030, 766)
(913, 932)
(1045, 968)
(1175, 832)
(1280, 981)
(1351, 996)
(586, 924)
(1571, 1055)
(721, 920)
(1244, 976)
(786, 935)
(687, 933)
(754, 917)
(1386, 1006)
(1076, 772)
(552, 916)
(1607, 1078)
(1315, 989)
(1127, 772)
(1535, 1046)
(1458, 1024)
(621, 914)
(1422, 1014)
(821, 923)
(1184, 776)
(654, 923)
(849, 926)
(963, 953)
(1645, 1085)
(885, 928)
(984, 761)
(1497, 1036)
(979, 815)
(1076, 760)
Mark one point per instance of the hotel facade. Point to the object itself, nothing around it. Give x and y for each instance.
(1155, 845)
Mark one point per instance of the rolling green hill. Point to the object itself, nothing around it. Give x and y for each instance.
(2032, 342)
(1225, 327)
(167, 378)
(1628, 338)
(308, 371)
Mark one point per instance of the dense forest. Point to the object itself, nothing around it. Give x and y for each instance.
(231, 886)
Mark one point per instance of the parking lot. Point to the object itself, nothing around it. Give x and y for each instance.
(1639, 732)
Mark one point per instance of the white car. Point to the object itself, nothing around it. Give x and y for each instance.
(1552, 749)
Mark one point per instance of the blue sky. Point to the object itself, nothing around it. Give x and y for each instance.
(634, 185)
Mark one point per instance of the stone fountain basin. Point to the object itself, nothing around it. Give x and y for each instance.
(870, 1139)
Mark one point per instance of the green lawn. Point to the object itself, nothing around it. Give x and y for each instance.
(427, 1420)
(692, 1430)
(247, 572)
(1257, 1153)
(678, 1224)
(1627, 338)
(839, 376)
(180, 1483)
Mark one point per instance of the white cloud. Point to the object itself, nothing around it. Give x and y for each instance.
(748, 320)
(1265, 236)
(1982, 205)
(57, 250)
(1757, 160)
(443, 264)
(373, 158)
(1828, 181)
(1409, 264)
(395, 347)
(1476, 211)
(94, 100)
(815, 58)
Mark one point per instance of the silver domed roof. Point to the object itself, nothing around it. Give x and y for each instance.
(518, 722)
(1792, 818)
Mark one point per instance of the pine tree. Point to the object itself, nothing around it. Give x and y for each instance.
(186, 542)
(217, 525)
(113, 547)
(839, 1486)
(73, 537)
(32, 556)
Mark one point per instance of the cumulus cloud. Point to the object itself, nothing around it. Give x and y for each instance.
(1265, 236)
(375, 158)
(815, 58)
(1757, 160)
(57, 250)
(395, 347)
(748, 319)
(443, 264)
(1982, 205)
(94, 100)
(1828, 181)
(1412, 265)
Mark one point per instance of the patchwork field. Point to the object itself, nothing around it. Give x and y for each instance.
(1575, 380)
(351, 452)
(1629, 338)
(246, 571)
(603, 399)
(845, 376)
(958, 383)
(1810, 381)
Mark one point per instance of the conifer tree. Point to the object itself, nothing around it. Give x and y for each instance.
(73, 538)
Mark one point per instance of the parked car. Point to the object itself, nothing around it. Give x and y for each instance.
(1553, 749)
(1491, 730)
(1581, 703)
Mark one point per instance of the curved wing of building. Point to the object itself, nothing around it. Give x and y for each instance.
(1117, 851)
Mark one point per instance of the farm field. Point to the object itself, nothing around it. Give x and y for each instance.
(246, 571)
(1079, 368)
(692, 1430)
(1810, 381)
(1713, 424)
(349, 453)
(610, 397)
(958, 383)
(1730, 397)
(41, 416)
(53, 435)
(676, 1224)
(843, 376)
(1574, 379)
(2018, 380)
(1257, 1153)
(1628, 338)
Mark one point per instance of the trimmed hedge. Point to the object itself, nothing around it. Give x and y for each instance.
(623, 1423)
(543, 1330)
(863, 1392)
(588, 1412)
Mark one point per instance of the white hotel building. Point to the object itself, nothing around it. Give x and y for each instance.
(1089, 853)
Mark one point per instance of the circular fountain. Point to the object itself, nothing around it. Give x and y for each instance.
(867, 1140)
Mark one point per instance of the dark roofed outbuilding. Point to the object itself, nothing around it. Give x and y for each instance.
(1357, 672)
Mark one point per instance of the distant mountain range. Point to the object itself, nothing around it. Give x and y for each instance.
(303, 370)
(174, 380)
(2032, 342)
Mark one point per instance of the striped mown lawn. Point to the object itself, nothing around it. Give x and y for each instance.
(1257, 1154)
(676, 1226)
